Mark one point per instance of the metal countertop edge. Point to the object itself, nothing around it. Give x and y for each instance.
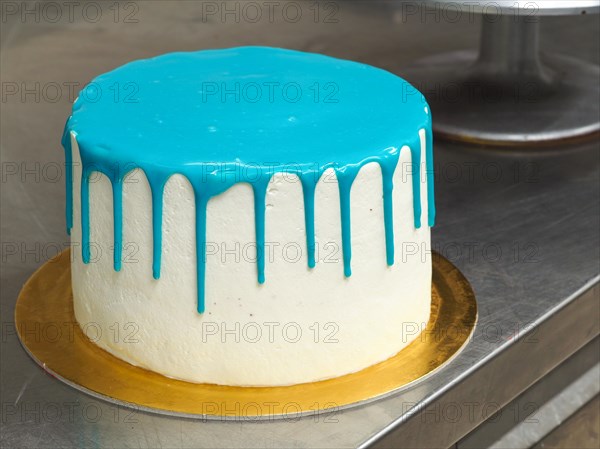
(580, 321)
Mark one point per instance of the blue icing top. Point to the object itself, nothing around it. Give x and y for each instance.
(220, 117)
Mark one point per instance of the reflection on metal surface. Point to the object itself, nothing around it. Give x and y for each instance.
(46, 299)
(509, 93)
(544, 406)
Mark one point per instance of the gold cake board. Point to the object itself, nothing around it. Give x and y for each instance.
(49, 333)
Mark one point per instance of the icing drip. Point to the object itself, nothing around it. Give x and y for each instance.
(429, 170)
(387, 175)
(260, 195)
(308, 191)
(157, 186)
(345, 181)
(118, 221)
(201, 205)
(85, 214)
(208, 179)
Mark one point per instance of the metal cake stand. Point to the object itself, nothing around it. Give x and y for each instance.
(509, 93)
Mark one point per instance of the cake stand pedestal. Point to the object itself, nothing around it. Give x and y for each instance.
(509, 93)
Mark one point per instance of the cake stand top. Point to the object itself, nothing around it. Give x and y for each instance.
(525, 7)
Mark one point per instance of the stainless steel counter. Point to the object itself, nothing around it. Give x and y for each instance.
(521, 225)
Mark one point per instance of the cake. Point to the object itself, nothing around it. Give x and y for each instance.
(250, 216)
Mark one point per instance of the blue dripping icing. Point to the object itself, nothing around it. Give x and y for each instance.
(169, 121)
(260, 195)
(430, 173)
(85, 215)
(308, 191)
(387, 174)
(201, 205)
(66, 142)
(118, 222)
(157, 183)
(345, 180)
(415, 163)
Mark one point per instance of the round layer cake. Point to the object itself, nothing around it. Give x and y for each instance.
(250, 216)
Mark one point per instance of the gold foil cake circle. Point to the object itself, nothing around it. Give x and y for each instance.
(48, 331)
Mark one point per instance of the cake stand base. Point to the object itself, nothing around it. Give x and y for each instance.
(49, 333)
(468, 109)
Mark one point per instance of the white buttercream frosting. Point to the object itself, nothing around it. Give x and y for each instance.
(301, 325)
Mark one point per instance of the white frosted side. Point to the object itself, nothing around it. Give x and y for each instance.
(301, 325)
